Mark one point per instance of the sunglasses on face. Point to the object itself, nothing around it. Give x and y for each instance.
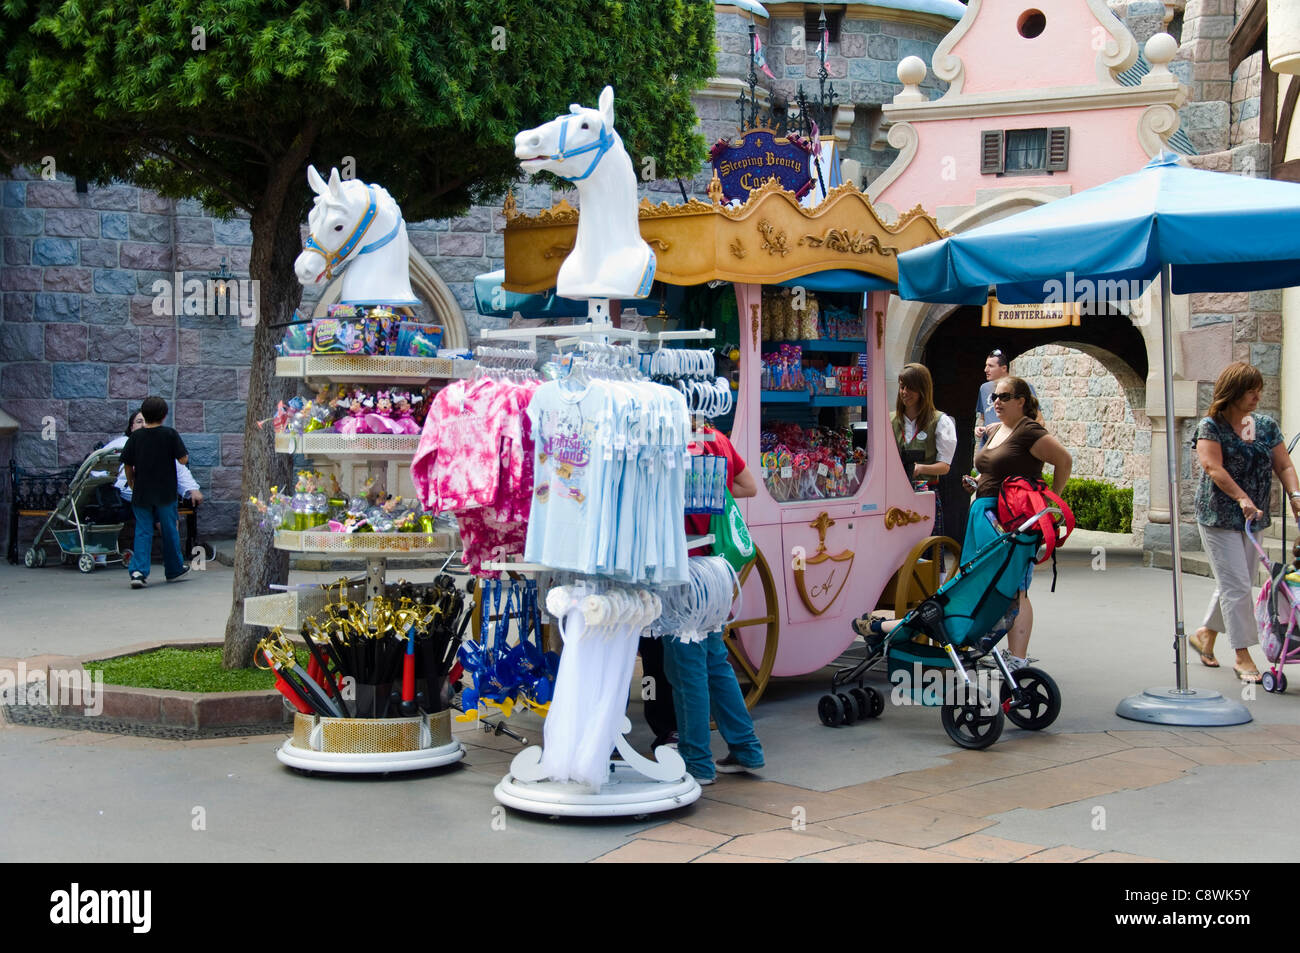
(1004, 395)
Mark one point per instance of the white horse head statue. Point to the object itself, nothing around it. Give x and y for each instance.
(609, 258)
(357, 227)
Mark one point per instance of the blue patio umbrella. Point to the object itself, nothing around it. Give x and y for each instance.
(1198, 230)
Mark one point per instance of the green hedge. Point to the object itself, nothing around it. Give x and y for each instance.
(1100, 506)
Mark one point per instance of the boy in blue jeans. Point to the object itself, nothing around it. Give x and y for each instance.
(149, 459)
(702, 679)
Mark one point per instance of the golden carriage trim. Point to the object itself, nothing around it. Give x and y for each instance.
(814, 597)
(896, 517)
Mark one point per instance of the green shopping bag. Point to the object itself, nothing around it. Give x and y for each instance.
(731, 539)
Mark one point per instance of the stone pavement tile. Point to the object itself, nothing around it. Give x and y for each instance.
(783, 845)
(638, 851)
(1216, 754)
(716, 858)
(782, 799)
(1117, 857)
(1293, 750)
(1063, 784)
(963, 770)
(1144, 738)
(1265, 752)
(1161, 757)
(874, 794)
(1194, 736)
(909, 825)
(1063, 748)
(1124, 773)
(711, 815)
(675, 833)
(922, 781)
(1290, 732)
(1251, 736)
(985, 847)
(1058, 855)
(879, 852)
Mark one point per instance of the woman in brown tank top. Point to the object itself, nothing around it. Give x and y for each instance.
(1017, 446)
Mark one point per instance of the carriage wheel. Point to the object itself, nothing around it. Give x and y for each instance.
(753, 677)
(918, 577)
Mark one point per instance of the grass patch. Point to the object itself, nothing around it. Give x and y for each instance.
(184, 670)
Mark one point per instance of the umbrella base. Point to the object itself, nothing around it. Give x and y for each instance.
(334, 762)
(1196, 709)
(626, 793)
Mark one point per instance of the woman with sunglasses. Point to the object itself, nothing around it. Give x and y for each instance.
(1018, 445)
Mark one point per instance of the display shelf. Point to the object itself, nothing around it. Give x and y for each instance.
(365, 544)
(837, 400)
(328, 444)
(785, 396)
(692, 542)
(587, 331)
(829, 345)
(360, 368)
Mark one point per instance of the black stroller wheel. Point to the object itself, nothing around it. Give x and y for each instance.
(862, 702)
(1281, 682)
(877, 702)
(971, 726)
(1040, 699)
(850, 708)
(830, 711)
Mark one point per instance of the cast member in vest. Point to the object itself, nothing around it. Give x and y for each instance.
(1018, 445)
(918, 426)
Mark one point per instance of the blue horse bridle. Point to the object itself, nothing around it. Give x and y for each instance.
(363, 225)
(602, 144)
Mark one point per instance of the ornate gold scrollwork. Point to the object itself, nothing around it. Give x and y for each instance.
(773, 241)
(822, 523)
(737, 249)
(896, 517)
(852, 243)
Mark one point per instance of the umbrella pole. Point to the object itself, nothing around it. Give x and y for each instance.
(1179, 705)
(1175, 490)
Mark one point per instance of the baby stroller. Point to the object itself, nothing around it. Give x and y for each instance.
(89, 543)
(1277, 610)
(965, 619)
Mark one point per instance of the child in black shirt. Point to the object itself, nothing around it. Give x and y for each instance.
(149, 459)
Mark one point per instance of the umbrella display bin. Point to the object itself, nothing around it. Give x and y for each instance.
(368, 745)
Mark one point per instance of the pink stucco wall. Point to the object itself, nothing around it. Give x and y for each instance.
(997, 57)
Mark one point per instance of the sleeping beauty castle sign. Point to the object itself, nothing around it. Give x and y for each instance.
(743, 164)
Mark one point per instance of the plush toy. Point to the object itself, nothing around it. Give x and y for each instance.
(381, 421)
(356, 415)
(404, 418)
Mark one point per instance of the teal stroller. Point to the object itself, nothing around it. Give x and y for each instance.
(963, 621)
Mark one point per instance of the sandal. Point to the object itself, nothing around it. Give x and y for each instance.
(1250, 675)
(1207, 656)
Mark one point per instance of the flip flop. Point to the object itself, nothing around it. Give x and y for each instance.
(1207, 658)
(1248, 675)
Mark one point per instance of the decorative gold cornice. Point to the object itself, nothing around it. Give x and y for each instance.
(702, 241)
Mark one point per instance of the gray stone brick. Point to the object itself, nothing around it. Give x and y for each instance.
(13, 194)
(114, 225)
(18, 305)
(224, 416)
(188, 416)
(114, 282)
(229, 347)
(51, 306)
(145, 281)
(227, 482)
(162, 380)
(1270, 300)
(72, 280)
(31, 414)
(99, 416)
(31, 451)
(21, 279)
(187, 346)
(130, 381)
(154, 203)
(21, 342)
(113, 345)
(72, 223)
(195, 230)
(52, 195)
(1204, 319)
(22, 221)
(190, 207)
(146, 257)
(203, 477)
(206, 383)
(54, 251)
(426, 243)
(221, 518)
(18, 251)
(97, 253)
(25, 380)
(870, 70)
(149, 228)
(461, 245)
(462, 269)
(232, 449)
(1268, 358)
(75, 447)
(157, 345)
(1094, 435)
(105, 309)
(205, 448)
(80, 380)
(477, 219)
(197, 257)
(237, 231)
(116, 197)
(143, 313)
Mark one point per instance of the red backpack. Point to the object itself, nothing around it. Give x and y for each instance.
(1021, 498)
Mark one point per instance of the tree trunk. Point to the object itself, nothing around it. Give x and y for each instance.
(276, 243)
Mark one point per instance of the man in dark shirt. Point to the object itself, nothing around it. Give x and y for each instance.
(149, 459)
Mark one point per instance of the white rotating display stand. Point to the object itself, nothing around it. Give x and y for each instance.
(341, 763)
(636, 785)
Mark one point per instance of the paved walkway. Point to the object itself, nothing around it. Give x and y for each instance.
(1093, 788)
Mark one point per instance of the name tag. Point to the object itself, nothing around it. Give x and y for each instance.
(821, 469)
(787, 472)
(851, 470)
